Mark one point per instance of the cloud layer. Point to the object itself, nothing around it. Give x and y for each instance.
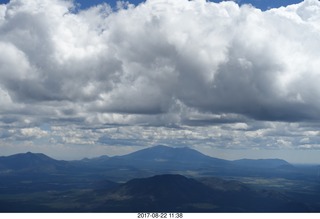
(186, 64)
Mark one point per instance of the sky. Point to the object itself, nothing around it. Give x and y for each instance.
(229, 79)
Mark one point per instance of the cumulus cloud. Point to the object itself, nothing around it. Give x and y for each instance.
(218, 58)
(160, 63)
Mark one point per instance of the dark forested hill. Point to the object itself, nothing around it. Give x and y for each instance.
(176, 193)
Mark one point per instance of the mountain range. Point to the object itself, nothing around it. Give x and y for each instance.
(158, 178)
(146, 162)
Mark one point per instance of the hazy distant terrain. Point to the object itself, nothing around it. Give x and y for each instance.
(156, 179)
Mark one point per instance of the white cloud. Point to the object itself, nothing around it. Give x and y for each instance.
(142, 60)
(33, 132)
(186, 64)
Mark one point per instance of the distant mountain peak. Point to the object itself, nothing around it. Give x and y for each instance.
(29, 153)
(172, 157)
(29, 161)
(269, 163)
(162, 152)
(32, 155)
